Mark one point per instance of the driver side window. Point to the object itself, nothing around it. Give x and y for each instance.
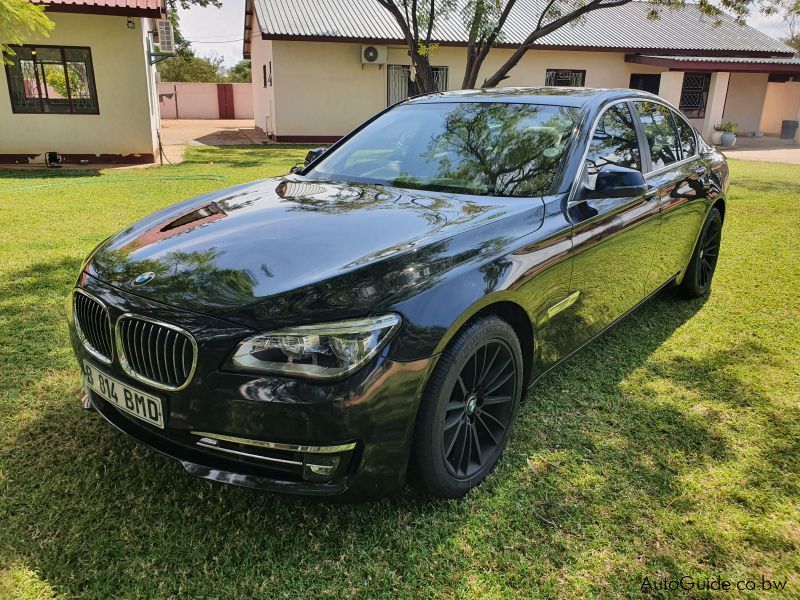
(614, 142)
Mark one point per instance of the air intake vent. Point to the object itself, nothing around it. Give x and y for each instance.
(93, 326)
(156, 353)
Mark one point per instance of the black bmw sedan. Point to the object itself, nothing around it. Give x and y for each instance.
(383, 309)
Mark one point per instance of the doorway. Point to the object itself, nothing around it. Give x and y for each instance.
(646, 82)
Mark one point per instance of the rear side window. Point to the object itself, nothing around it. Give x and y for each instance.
(686, 136)
(660, 132)
(614, 142)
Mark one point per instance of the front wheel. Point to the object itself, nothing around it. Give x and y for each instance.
(468, 409)
(697, 280)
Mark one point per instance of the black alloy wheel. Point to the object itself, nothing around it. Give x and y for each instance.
(700, 272)
(468, 409)
(479, 410)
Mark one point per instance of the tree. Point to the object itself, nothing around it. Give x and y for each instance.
(791, 16)
(484, 21)
(19, 21)
(241, 72)
(191, 68)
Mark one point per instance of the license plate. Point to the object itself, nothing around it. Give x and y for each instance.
(135, 402)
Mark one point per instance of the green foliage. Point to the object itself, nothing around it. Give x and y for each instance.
(728, 127)
(241, 72)
(667, 447)
(56, 80)
(21, 22)
(191, 68)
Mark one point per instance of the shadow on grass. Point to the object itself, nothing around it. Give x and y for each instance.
(591, 465)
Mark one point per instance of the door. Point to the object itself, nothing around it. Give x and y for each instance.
(225, 101)
(614, 240)
(645, 81)
(681, 180)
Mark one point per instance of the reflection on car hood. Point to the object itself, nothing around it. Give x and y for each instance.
(236, 247)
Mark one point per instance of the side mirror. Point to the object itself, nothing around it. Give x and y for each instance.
(618, 182)
(314, 155)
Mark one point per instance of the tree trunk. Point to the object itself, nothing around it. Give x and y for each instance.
(424, 81)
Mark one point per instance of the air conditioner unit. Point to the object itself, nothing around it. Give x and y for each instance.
(166, 38)
(374, 55)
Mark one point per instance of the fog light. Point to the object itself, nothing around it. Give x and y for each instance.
(319, 467)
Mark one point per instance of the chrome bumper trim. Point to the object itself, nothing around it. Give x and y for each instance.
(276, 445)
(212, 445)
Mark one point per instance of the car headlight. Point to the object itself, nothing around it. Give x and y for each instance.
(325, 351)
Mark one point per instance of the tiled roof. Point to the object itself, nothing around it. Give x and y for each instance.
(143, 8)
(678, 30)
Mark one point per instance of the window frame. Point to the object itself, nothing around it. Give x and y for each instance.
(644, 159)
(581, 71)
(92, 82)
(644, 146)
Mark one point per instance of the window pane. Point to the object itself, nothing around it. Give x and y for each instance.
(495, 148)
(81, 80)
(686, 134)
(614, 142)
(660, 133)
(694, 94)
(23, 84)
(54, 87)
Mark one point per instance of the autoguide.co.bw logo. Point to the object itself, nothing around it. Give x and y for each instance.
(688, 583)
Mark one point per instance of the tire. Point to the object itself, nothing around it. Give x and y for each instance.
(700, 272)
(474, 391)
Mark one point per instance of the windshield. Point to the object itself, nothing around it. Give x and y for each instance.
(485, 148)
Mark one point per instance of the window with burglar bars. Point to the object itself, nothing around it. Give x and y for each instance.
(694, 94)
(401, 86)
(49, 79)
(564, 78)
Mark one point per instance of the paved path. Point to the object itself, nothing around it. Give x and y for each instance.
(176, 134)
(768, 149)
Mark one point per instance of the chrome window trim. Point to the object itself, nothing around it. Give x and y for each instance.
(606, 106)
(123, 360)
(82, 337)
(277, 445)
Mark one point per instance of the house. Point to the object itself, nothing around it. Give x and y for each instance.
(88, 90)
(313, 82)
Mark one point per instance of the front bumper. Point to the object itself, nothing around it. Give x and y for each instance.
(350, 437)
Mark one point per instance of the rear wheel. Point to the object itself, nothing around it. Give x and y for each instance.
(468, 409)
(697, 280)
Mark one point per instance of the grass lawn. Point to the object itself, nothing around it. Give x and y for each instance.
(669, 447)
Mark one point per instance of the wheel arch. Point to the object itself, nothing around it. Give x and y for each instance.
(513, 313)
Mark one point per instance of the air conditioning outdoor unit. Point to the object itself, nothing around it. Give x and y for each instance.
(374, 55)
(166, 38)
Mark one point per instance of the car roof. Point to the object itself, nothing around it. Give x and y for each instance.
(556, 96)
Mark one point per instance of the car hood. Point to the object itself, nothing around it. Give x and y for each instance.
(241, 246)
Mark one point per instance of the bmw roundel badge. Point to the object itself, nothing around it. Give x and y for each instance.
(143, 278)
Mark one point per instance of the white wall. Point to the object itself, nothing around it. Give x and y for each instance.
(781, 102)
(746, 92)
(126, 123)
(321, 88)
(263, 92)
(201, 100)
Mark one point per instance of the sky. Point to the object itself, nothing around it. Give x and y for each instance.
(218, 31)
